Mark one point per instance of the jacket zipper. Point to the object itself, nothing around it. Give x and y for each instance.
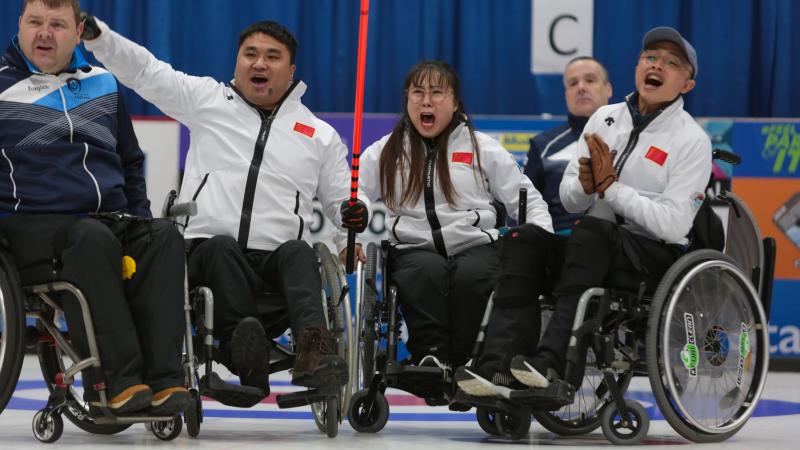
(255, 164)
(430, 203)
(296, 209)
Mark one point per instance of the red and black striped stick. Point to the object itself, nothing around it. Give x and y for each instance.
(359, 108)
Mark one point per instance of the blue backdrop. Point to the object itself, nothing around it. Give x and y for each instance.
(748, 49)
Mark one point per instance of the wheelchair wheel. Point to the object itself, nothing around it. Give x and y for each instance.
(193, 416)
(369, 320)
(47, 428)
(366, 416)
(582, 416)
(12, 328)
(334, 305)
(707, 347)
(168, 429)
(77, 411)
(500, 424)
(625, 429)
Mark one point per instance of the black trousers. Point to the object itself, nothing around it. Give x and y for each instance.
(530, 264)
(138, 322)
(238, 278)
(598, 253)
(443, 299)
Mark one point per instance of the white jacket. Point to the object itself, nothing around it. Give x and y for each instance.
(303, 157)
(471, 221)
(663, 180)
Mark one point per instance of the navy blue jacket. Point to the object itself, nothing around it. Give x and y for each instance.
(549, 154)
(67, 144)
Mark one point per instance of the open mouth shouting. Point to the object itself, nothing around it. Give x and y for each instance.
(653, 80)
(259, 80)
(427, 120)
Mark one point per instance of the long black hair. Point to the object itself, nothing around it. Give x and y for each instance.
(394, 159)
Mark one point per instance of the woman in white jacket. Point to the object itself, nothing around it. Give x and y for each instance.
(438, 178)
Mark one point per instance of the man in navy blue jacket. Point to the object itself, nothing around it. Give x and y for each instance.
(586, 88)
(74, 207)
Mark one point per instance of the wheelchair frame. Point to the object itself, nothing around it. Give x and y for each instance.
(52, 345)
(616, 323)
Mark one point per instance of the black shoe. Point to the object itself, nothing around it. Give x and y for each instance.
(317, 363)
(532, 372)
(250, 353)
(477, 386)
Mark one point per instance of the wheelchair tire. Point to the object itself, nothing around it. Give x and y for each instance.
(582, 416)
(369, 320)
(368, 417)
(47, 428)
(513, 426)
(168, 429)
(193, 415)
(629, 430)
(76, 411)
(707, 328)
(12, 329)
(334, 281)
(487, 420)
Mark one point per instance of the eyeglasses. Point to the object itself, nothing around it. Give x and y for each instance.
(667, 59)
(437, 95)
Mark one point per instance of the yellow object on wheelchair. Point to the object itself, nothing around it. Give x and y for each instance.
(128, 267)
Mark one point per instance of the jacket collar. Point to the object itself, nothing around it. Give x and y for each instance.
(17, 59)
(640, 121)
(293, 94)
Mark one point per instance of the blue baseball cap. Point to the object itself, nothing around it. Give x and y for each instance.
(672, 35)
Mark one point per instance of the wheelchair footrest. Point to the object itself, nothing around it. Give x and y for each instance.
(424, 382)
(559, 393)
(230, 394)
(303, 398)
(491, 403)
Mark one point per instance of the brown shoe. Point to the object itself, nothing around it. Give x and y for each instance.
(317, 363)
(132, 399)
(169, 401)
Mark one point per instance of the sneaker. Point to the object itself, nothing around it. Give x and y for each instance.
(132, 399)
(170, 401)
(477, 386)
(250, 353)
(525, 370)
(317, 363)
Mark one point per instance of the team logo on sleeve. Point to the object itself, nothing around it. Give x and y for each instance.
(304, 129)
(656, 155)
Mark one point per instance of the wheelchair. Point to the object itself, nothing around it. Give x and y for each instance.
(327, 405)
(700, 337)
(58, 360)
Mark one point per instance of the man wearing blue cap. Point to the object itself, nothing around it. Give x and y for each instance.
(641, 199)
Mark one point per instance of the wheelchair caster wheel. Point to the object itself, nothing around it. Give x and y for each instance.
(487, 421)
(169, 429)
(47, 427)
(366, 416)
(332, 417)
(510, 426)
(627, 429)
(194, 414)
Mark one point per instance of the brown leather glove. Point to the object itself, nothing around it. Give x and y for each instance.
(602, 161)
(585, 175)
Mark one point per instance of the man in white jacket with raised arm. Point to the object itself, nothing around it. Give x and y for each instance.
(256, 160)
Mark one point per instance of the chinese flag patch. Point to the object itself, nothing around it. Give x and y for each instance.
(657, 155)
(304, 129)
(462, 157)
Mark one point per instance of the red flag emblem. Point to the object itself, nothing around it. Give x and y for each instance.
(657, 155)
(304, 129)
(462, 157)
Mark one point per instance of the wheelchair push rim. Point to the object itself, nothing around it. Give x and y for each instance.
(715, 349)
